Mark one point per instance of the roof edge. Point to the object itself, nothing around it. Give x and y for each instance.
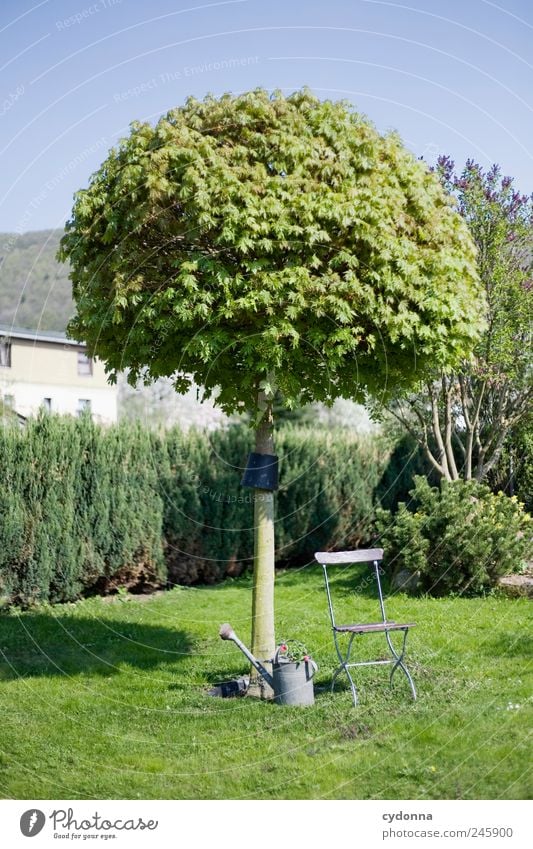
(51, 336)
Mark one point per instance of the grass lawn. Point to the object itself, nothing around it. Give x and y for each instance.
(107, 699)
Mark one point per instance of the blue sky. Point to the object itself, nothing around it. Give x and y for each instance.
(453, 77)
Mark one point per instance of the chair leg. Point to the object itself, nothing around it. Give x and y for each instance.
(399, 661)
(343, 667)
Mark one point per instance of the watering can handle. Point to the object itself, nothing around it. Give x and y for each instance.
(315, 667)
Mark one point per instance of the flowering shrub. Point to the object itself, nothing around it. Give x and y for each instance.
(460, 538)
(293, 651)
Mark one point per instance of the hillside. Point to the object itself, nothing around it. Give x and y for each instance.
(34, 287)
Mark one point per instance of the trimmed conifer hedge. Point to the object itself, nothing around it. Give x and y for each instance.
(327, 480)
(85, 509)
(79, 507)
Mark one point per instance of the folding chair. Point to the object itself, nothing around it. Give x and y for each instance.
(369, 555)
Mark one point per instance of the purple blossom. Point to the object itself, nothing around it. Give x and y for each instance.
(445, 168)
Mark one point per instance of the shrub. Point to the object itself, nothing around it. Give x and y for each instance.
(461, 537)
(327, 481)
(85, 510)
(406, 461)
(207, 524)
(80, 509)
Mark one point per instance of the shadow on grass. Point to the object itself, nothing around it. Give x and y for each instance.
(511, 644)
(355, 578)
(46, 644)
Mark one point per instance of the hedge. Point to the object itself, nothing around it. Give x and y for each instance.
(327, 481)
(85, 509)
(79, 506)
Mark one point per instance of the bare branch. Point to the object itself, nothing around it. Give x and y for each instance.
(421, 438)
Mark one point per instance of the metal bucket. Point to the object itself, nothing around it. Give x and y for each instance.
(293, 682)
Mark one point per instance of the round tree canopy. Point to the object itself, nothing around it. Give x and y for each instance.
(259, 234)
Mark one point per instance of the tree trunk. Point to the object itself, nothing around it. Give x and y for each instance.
(437, 434)
(448, 428)
(263, 639)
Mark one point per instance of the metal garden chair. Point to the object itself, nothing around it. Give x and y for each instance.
(369, 555)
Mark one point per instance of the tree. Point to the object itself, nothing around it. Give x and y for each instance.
(259, 244)
(462, 418)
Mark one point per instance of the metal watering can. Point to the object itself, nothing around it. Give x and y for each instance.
(291, 681)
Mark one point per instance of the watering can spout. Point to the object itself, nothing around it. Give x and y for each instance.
(226, 632)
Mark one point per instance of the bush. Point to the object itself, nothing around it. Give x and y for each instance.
(86, 510)
(405, 462)
(80, 510)
(208, 516)
(460, 537)
(327, 481)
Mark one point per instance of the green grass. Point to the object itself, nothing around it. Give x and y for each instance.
(107, 699)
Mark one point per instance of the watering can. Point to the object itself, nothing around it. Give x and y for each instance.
(292, 682)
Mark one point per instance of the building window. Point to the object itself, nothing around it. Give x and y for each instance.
(5, 353)
(9, 401)
(84, 406)
(47, 405)
(85, 364)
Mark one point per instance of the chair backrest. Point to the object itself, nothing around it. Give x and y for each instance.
(361, 555)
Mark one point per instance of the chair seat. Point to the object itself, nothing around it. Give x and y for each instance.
(374, 626)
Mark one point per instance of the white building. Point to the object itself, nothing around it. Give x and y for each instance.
(44, 369)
